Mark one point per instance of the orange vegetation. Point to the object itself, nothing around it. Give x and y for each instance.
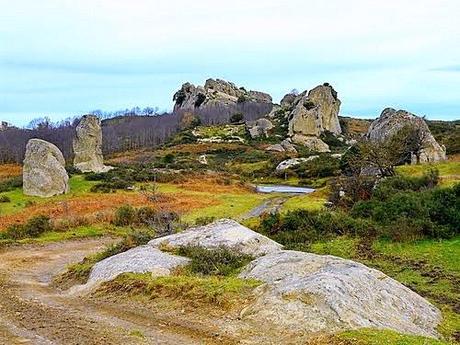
(10, 170)
(215, 184)
(99, 205)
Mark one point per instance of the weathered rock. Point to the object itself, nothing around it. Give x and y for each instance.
(143, 259)
(215, 92)
(87, 145)
(260, 127)
(312, 142)
(392, 121)
(310, 293)
(203, 159)
(226, 233)
(288, 100)
(289, 163)
(275, 148)
(315, 112)
(44, 171)
(288, 147)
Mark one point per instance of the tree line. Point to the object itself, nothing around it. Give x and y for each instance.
(121, 130)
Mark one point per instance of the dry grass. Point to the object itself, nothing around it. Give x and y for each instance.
(10, 170)
(216, 184)
(99, 208)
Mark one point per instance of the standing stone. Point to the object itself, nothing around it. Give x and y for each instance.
(87, 146)
(44, 171)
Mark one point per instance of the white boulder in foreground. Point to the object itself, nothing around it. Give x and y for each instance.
(308, 293)
(225, 232)
(143, 259)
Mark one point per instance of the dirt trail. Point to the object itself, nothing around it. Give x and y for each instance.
(33, 312)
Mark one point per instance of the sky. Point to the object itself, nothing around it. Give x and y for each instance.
(63, 58)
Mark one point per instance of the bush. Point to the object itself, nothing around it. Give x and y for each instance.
(10, 184)
(221, 261)
(297, 229)
(34, 227)
(236, 118)
(200, 221)
(124, 216)
(324, 166)
(4, 199)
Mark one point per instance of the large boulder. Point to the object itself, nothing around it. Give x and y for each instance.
(222, 233)
(315, 112)
(311, 293)
(44, 171)
(290, 163)
(215, 92)
(391, 122)
(311, 114)
(87, 145)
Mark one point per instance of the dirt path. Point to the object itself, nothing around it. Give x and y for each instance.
(269, 206)
(32, 312)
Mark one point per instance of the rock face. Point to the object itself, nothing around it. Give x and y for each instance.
(224, 232)
(312, 114)
(87, 145)
(284, 146)
(215, 92)
(260, 127)
(44, 171)
(391, 121)
(309, 293)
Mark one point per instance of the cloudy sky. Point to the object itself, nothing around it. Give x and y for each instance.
(67, 57)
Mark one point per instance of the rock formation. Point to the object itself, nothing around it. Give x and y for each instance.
(44, 171)
(311, 114)
(260, 127)
(215, 92)
(226, 233)
(87, 145)
(392, 121)
(310, 293)
(302, 292)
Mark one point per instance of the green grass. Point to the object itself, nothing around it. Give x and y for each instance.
(429, 267)
(448, 171)
(385, 337)
(230, 206)
(195, 291)
(312, 201)
(444, 253)
(221, 131)
(78, 186)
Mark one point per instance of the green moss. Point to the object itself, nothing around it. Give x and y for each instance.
(385, 337)
(343, 247)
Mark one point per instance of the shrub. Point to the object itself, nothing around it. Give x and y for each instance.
(34, 227)
(236, 118)
(323, 166)
(124, 216)
(221, 261)
(200, 221)
(10, 184)
(4, 199)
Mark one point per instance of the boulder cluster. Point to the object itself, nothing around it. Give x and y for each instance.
(44, 172)
(215, 92)
(301, 292)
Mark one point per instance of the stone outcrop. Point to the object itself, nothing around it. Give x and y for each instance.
(44, 171)
(391, 122)
(311, 293)
(311, 114)
(284, 146)
(215, 92)
(260, 127)
(225, 232)
(87, 145)
(289, 163)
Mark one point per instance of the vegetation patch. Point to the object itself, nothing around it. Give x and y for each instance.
(189, 291)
